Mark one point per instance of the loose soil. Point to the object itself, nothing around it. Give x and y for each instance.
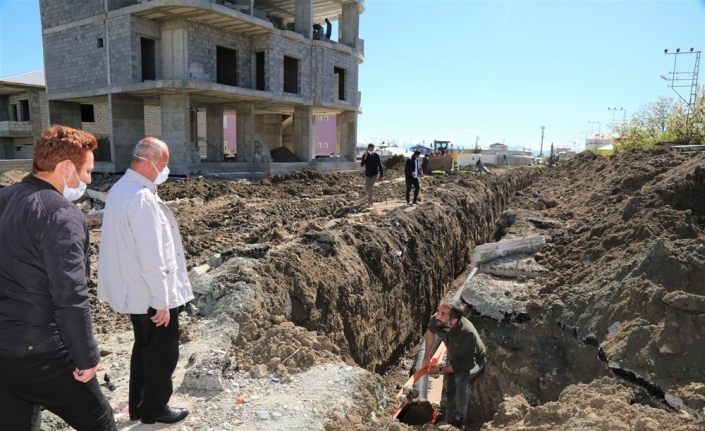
(298, 278)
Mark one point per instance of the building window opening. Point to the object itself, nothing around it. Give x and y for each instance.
(149, 61)
(340, 77)
(226, 60)
(100, 42)
(259, 71)
(87, 114)
(291, 75)
(24, 110)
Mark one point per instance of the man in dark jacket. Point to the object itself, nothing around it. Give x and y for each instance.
(373, 171)
(48, 355)
(466, 357)
(412, 172)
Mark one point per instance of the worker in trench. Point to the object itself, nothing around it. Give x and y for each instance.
(466, 358)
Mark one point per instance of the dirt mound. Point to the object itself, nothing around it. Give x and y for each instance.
(283, 155)
(627, 259)
(12, 177)
(601, 404)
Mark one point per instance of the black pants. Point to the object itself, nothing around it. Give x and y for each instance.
(409, 183)
(46, 379)
(155, 353)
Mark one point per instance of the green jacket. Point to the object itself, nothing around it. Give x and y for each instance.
(465, 348)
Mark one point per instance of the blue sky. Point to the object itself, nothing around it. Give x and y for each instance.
(497, 70)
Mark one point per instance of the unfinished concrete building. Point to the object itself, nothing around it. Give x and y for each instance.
(177, 68)
(23, 114)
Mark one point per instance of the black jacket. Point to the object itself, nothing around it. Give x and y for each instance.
(372, 164)
(43, 269)
(409, 167)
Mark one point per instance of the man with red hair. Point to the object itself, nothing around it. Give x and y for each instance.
(48, 355)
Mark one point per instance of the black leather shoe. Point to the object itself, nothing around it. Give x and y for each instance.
(169, 415)
(134, 414)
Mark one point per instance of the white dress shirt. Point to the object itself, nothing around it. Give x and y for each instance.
(141, 261)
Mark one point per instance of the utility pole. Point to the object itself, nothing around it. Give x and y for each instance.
(542, 130)
(685, 80)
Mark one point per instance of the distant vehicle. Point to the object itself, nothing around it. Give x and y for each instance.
(443, 158)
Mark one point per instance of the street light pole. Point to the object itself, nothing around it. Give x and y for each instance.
(542, 130)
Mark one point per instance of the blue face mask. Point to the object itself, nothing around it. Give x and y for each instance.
(74, 193)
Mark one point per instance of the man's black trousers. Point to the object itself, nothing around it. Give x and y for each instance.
(46, 379)
(409, 183)
(155, 353)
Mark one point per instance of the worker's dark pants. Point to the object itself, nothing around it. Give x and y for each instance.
(155, 353)
(409, 183)
(46, 379)
(457, 395)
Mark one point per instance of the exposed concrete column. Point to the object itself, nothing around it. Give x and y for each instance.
(303, 133)
(347, 134)
(350, 24)
(127, 128)
(303, 16)
(176, 131)
(268, 130)
(35, 113)
(174, 40)
(65, 113)
(245, 130)
(214, 133)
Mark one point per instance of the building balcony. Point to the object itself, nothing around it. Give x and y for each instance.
(15, 129)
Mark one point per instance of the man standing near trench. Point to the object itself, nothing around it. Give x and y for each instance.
(466, 357)
(411, 174)
(48, 355)
(142, 272)
(373, 171)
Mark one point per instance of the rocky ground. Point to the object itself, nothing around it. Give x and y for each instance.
(309, 305)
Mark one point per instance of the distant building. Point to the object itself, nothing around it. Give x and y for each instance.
(23, 114)
(173, 68)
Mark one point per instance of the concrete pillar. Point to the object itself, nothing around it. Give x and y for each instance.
(6, 150)
(303, 16)
(176, 131)
(350, 24)
(268, 130)
(194, 133)
(174, 40)
(35, 113)
(303, 133)
(214, 133)
(126, 128)
(65, 113)
(245, 130)
(347, 134)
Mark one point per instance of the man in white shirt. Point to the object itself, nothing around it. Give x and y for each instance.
(142, 272)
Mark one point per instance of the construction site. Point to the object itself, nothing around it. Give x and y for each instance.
(583, 281)
(583, 277)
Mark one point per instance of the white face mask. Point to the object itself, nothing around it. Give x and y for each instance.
(161, 176)
(72, 193)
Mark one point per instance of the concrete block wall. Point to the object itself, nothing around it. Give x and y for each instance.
(149, 29)
(202, 52)
(100, 126)
(44, 109)
(57, 12)
(24, 164)
(281, 46)
(73, 61)
(325, 60)
(152, 121)
(123, 57)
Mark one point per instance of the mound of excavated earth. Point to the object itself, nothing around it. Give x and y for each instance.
(303, 295)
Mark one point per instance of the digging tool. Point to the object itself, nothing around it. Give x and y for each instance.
(407, 392)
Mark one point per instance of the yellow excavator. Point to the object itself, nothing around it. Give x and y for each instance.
(444, 157)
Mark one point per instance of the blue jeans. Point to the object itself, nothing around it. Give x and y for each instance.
(457, 394)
